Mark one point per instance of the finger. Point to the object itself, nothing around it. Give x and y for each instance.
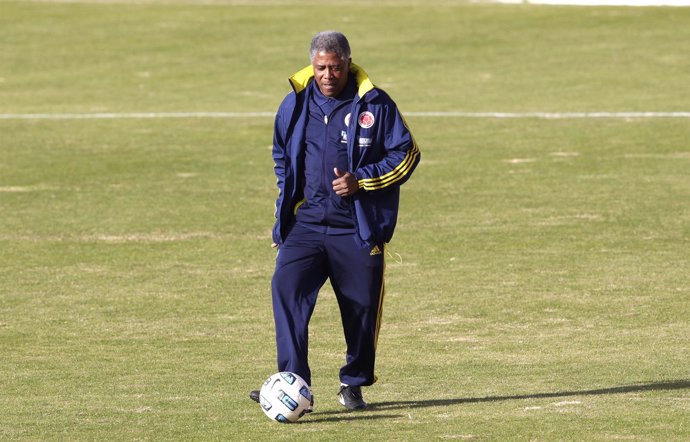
(339, 183)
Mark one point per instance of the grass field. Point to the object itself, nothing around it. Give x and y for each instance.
(540, 286)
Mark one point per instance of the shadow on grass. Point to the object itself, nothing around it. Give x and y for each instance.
(681, 384)
(343, 416)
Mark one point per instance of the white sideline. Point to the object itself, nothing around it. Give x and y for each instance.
(133, 115)
(593, 2)
(159, 115)
(551, 115)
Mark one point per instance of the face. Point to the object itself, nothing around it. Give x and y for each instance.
(330, 73)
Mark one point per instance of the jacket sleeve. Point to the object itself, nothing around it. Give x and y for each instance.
(400, 154)
(279, 153)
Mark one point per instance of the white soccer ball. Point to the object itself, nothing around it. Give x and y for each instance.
(285, 397)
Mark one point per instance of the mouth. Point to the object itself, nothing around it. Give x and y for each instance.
(328, 88)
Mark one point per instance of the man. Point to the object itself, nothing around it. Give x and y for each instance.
(341, 152)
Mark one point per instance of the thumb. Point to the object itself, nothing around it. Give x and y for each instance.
(337, 172)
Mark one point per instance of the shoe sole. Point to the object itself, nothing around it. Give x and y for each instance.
(342, 402)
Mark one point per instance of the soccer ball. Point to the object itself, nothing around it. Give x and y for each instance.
(285, 397)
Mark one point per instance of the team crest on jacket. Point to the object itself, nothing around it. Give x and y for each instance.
(366, 120)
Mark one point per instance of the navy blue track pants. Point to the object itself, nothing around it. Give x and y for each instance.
(305, 261)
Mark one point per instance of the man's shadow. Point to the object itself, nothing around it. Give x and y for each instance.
(681, 384)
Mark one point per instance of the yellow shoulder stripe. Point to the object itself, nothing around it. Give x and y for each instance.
(394, 175)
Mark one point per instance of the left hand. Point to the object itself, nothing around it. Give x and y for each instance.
(345, 184)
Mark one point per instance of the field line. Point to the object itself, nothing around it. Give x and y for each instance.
(499, 115)
(552, 115)
(134, 115)
(597, 2)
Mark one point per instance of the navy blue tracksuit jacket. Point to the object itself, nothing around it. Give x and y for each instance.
(381, 153)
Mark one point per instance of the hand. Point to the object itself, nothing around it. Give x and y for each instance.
(345, 184)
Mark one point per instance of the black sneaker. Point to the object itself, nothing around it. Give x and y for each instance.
(254, 395)
(351, 397)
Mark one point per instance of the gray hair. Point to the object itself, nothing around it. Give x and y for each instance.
(330, 42)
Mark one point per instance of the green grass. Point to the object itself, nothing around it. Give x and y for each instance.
(540, 285)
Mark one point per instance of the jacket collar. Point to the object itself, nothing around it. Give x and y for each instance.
(301, 79)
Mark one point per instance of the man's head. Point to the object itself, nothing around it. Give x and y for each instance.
(330, 58)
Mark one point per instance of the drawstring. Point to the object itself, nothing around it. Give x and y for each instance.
(398, 260)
